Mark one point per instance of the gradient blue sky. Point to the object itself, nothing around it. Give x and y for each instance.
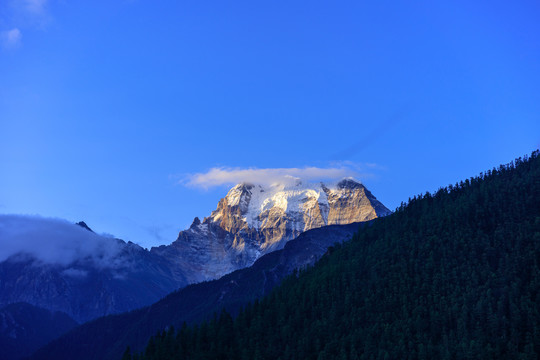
(106, 107)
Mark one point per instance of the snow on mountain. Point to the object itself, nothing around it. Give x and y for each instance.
(252, 220)
(302, 205)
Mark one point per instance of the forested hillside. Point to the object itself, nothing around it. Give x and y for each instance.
(450, 275)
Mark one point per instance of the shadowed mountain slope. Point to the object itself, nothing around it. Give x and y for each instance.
(108, 337)
(25, 328)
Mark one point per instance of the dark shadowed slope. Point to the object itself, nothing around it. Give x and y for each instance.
(25, 328)
(59, 266)
(86, 291)
(108, 337)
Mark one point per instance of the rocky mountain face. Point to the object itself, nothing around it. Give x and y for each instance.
(95, 276)
(85, 291)
(253, 220)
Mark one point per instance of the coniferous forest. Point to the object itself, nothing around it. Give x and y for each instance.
(450, 275)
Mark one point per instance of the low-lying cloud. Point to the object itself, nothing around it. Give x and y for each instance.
(226, 176)
(55, 241)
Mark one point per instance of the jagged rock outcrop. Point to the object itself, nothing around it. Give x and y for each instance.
(253, 220)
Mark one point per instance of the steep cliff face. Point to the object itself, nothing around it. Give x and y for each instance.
(352, 202)
(252, 220)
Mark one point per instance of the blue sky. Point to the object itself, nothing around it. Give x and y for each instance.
(108, 108)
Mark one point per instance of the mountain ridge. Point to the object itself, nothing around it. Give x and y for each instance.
(195, 302)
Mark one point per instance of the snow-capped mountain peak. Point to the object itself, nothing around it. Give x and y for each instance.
(254, 219)
(251, 204)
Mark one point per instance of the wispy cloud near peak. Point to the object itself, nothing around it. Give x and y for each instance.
(229, 176)
(55, 241)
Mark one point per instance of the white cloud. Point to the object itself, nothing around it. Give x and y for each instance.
(221, 176)
(11, 38)
(55, 241)
(34, 6)
(22, 14)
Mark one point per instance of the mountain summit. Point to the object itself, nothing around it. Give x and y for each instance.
(281, 212)
(253, 219)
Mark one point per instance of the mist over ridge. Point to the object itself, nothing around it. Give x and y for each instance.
(55, 241)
